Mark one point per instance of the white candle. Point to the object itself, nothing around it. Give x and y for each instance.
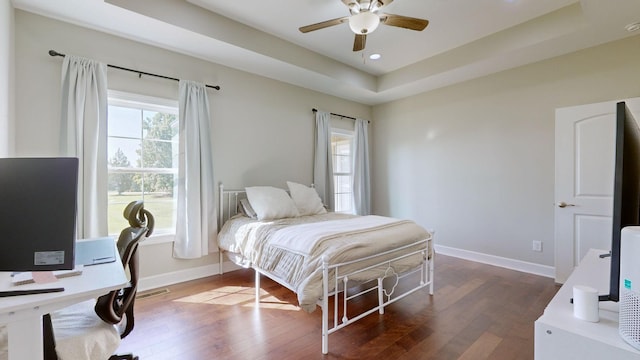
(585, 303)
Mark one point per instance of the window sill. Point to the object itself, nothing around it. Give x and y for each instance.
(158, 239)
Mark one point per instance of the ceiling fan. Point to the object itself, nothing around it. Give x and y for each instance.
(365, 18)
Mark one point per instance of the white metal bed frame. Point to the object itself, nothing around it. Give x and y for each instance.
(228, 203)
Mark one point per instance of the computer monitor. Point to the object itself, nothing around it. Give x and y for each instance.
(37, 213)
(626, 190)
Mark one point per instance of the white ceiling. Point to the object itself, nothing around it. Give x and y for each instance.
(452, 24)
(465, 39)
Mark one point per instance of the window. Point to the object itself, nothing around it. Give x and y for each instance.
(142, 153)
(342, 150)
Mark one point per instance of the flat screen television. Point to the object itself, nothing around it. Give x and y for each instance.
(37, 213)
(626, 189)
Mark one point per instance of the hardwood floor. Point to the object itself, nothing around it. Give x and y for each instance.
(477, 312)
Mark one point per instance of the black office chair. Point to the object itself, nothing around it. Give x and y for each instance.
(115, 309)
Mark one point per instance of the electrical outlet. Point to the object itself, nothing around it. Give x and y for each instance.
(537, 245)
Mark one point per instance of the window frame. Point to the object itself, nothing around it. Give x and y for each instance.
(351, 135)
(147, 103)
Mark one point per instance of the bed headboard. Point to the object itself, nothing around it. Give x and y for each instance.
(228, 200)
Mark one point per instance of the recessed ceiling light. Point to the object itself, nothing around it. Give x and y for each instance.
(375, 56)
(633, 27)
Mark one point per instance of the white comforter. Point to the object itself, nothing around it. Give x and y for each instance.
(295, 256)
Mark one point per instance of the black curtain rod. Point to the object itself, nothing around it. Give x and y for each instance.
(334, 114)
(140, 73)
(342, 116)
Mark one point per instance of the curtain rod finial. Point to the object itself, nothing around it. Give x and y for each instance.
(55, 53)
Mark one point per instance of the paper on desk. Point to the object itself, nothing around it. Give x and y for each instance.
(43, 277)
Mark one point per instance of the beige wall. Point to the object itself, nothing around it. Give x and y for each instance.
(6, 77)
(475, 161)
(262, 129)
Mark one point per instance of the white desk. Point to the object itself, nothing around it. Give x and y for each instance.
(559, 335)
(23, 314)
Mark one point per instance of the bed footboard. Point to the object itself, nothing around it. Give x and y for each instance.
(386, 294)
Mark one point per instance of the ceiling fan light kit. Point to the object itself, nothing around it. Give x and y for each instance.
(364, 22)
(365, 18)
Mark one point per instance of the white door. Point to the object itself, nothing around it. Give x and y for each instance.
(584, 156)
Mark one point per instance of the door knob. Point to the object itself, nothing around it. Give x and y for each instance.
(563, 204)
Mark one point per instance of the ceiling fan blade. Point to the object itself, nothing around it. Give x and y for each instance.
(324, 24)
(359, 42)
(385, 2)
(404, 22)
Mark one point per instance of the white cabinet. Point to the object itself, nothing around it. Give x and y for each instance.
(559, 335)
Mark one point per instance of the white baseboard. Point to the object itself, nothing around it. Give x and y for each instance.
(175, 277)
(527, 267)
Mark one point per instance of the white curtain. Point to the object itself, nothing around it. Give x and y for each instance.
(322, 165)
(196, 226)
(361, 183)
(84, 135)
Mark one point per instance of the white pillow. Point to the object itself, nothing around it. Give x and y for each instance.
(306, 199)
(271, 203)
